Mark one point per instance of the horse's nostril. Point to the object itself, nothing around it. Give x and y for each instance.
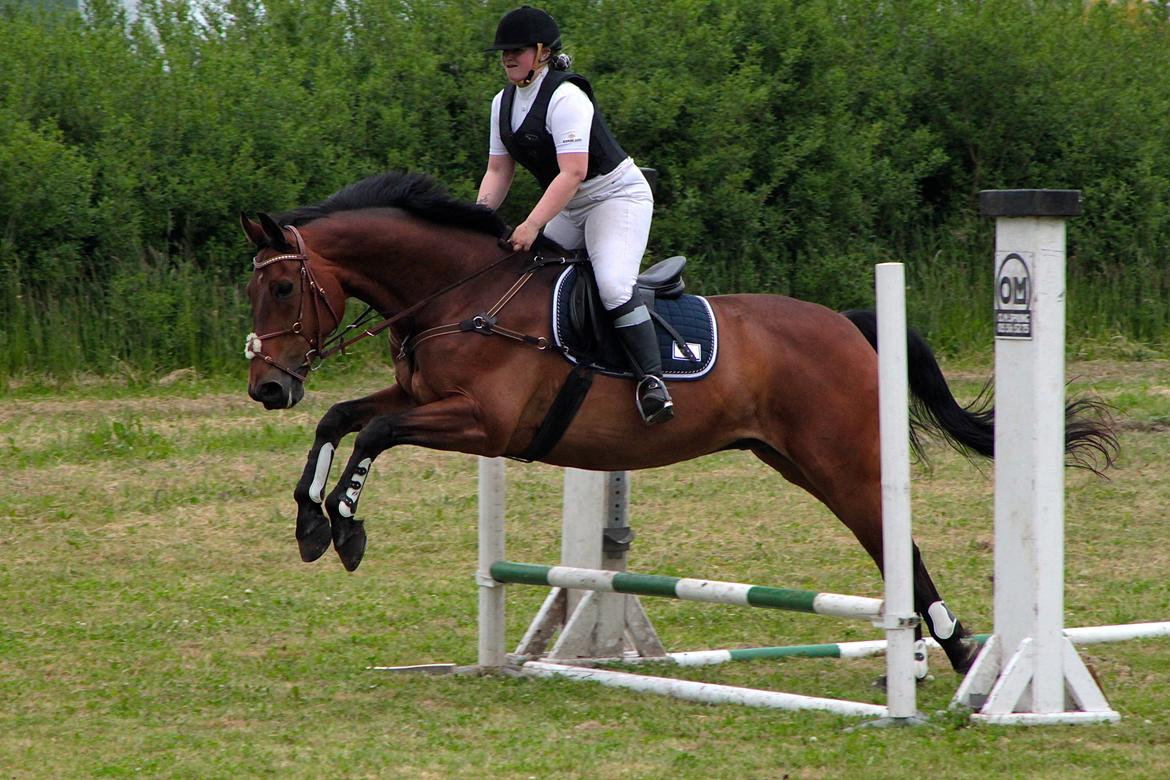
(269, 392)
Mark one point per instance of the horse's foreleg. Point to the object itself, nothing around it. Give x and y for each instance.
(449, 424)
(313, 532)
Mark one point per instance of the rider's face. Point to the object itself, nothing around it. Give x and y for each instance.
(518, 63)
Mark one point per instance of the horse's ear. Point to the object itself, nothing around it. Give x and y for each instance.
(252, 230)
(273, 234)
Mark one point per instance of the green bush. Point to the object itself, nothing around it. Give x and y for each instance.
(798, 142)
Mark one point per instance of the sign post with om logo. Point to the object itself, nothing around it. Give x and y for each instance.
(1028, 671)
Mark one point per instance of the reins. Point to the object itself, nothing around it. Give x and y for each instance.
(319, 349)
(386, 323)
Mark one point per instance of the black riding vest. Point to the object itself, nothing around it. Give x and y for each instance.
(532, 146)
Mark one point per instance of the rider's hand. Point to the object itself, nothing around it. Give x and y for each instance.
(523, 236)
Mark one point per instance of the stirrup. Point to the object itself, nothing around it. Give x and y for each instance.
(658, 406)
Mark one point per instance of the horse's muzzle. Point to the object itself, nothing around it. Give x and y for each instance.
(282, 393)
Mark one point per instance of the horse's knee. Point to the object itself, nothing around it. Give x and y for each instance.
(338, 421)
(377, 435)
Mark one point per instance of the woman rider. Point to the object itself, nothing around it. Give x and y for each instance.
(594, 195)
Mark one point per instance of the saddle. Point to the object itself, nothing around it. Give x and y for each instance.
(685, 323)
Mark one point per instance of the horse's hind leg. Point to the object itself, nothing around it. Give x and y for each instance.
(855, 498)
(940, 621)
(313, 531)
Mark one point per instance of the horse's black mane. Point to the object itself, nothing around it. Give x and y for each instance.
(417, 193)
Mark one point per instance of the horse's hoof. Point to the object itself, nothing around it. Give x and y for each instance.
(349, 539)
(313, 534)
(972, 652)
(882, 683)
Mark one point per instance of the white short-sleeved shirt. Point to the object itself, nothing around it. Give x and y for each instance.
(568, 120)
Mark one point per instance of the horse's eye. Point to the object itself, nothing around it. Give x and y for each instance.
(282, 289)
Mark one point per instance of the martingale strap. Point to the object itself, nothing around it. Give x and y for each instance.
(577, 383)
(560, 415)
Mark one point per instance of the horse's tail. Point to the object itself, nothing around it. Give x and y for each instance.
(1089, 440)
(933, 409)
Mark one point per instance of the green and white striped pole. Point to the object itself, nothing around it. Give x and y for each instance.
(1079, 636)
(687, 589)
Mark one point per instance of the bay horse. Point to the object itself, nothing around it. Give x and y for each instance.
(794, 382)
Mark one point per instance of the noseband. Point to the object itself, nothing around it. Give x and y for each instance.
(253, 346)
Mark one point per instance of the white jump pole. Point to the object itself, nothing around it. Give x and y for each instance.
(491, 549)
(899, 619)
(707, 693)
(1029, 672)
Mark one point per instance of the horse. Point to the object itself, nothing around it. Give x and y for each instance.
(795, 383)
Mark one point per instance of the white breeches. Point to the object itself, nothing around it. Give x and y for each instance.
(610, 216)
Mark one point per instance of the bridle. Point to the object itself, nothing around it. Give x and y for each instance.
(254, 344)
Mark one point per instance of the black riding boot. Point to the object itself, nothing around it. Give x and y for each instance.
(635, 331)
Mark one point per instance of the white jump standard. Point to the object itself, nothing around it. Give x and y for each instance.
(1029, 672)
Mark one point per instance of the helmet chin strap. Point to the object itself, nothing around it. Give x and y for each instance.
(537, 65)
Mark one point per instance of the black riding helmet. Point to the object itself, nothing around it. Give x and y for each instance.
(524, 27)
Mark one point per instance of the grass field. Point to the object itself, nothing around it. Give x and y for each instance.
(157, 620)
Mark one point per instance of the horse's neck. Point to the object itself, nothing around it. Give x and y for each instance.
(395, 268)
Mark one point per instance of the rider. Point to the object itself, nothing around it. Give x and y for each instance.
(593, 196)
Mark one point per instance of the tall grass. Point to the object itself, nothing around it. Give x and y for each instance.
(158, 316)
(1113, 310)
(152, 316)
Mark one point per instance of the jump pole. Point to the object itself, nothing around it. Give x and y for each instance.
(867, 648)
(898, 618)
(492, 484)
(1029, 672)
(895, 614)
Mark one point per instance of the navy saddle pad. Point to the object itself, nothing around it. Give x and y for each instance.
(690, 316)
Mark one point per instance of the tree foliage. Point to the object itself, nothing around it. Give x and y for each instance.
(798, 141)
